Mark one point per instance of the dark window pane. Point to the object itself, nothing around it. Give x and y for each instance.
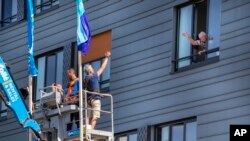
(37, 4)
(14, 11)
(59, 68)
(178, 133)
(3, 108)
(46, 4)
(105, 87)
(41, 5)
(51, 70)
(55, 2)
(106, 72)
(191, 129)
(165, 134)
(40, 76)
(6, 12)
(96, 65)
(200, 18)
(185, 25)
(199, 25)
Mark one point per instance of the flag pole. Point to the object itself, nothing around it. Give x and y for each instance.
(32, 70)
(83, 43)
(30, 89)
(80, 94)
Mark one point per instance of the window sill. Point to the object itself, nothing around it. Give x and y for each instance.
(47, 10)
(3, 118)
(12, 24)
(197, 65)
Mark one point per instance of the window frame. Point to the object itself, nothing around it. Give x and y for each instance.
(3, 111)
(125, 134)
(40, 6)
(100, 81)
(175, 58)
(46, 54)
(171, 125)
(15, 22)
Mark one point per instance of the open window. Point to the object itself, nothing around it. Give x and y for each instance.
(11, 11)
(194, 17)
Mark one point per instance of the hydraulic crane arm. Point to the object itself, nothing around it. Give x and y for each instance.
(14, 101)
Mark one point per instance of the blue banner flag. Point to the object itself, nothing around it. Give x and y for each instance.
(83, 30)
(30, 17)
(14, 100)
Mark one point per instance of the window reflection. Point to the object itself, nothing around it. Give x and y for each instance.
(133, 137)
(165, 134)
(181, 131)
(185, 25)
(191, 129)
(214, 26)
(50, 70)
(127, 137)
(178, 133)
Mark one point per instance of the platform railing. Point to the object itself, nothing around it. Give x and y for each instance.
(85, 92)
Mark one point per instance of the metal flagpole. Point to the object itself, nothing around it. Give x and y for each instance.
(80, 94)
(30, 103)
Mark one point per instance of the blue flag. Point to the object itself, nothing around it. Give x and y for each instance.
(83, 30)
(30, 17)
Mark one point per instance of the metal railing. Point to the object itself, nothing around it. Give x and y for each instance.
(41, 6)
(8, 20)
(51, 90)
(54, 91)
(111, 112)
(195, 55)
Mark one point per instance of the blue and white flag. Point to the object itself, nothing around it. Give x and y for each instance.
(30, 17)
(83, 30)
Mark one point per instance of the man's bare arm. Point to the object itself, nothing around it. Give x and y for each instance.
(104, 64)
(191, 40)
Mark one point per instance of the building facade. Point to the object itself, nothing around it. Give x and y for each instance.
(163, 89)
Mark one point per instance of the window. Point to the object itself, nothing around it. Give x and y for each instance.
(131, 136)
(105, 76)
(11, 11)
(100, 43)
(43, 5)
(179, 131)
(3, 110)
(194, 17)
(50, 71)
